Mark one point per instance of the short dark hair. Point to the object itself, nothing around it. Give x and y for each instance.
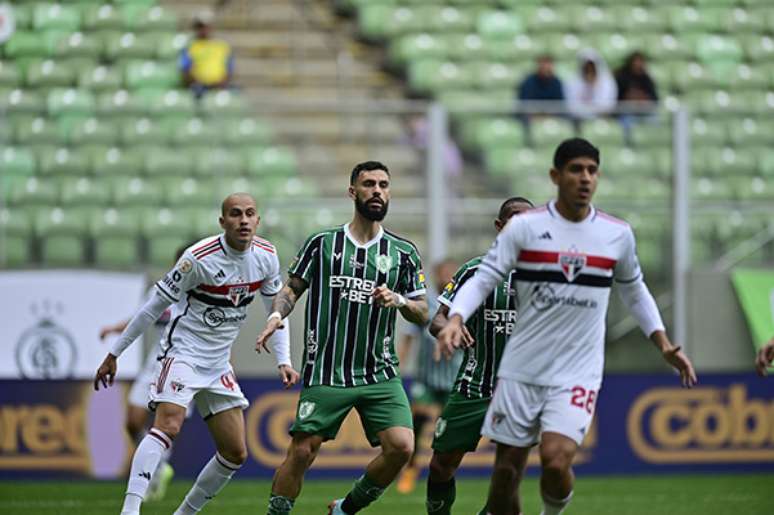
(513, 200)
(366, 166)
(572, 148)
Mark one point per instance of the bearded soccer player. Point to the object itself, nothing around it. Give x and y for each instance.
(458, 430)
(209, 289)
(359, 277)
(566, 254)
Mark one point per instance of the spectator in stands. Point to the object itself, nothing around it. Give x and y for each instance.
(418, 135)
(637, 95)
(542, 84)
(593, 92)
(207, 63)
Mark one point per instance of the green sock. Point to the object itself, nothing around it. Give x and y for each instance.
(279, 505)
(363, 493)
(440, 497)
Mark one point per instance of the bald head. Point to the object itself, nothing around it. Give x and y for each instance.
(235, 199)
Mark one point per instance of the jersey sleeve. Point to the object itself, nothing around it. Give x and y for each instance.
(627, 269)
(183, 277)
(504, 252)
(273, 282)
(303, 264)
(451, 288)
(412, 283)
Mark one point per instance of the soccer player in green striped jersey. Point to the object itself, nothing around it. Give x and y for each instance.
(457, 430)
(359, 277)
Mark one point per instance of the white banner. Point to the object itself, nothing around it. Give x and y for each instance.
(50, 322)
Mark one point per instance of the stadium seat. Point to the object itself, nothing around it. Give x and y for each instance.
(121, 103)
(70, 101)
(278, 161)
(279, 187)
(494, 75)
(92, 131)
(546, 19)
(129, 45)
(667, 47)
(49, 73)
(169, 44)
(150, 74)
(32, 191)
(766, 163)
(447, 18)
(78, 44)
(35, 130)
(83, 191)
(17, 161)
(138, 17)
(22, 101)
(548, 131)
(165, 161)
(713, 48)
(10, 77)
(375, 22)
(759, 48)
(492, 132)
(603, 132)
(685, 18)
(134, 192)
(218, 162)
(187, 192)
(521, 48)
(639, 19)
(142, 130)
(115, 238)
(245, 132)
(432, 76)
(224, 103)
(716, 102)
(707, 131)
(56, 16)
(466, 47)
(15, 228)
(461, 102)
(418, 46)
(53, 161)
(25, 44)
(652, 134)
(753, 188)
(516, 163)
(114, 161)
(100, 78)
(192, 131)
(592, 19)
(717, 162)
(749, 132)
(615, 46)
(497, 24)
(171, 102)
(205, 220)
(101, 17)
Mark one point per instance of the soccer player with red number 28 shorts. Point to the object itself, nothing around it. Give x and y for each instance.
(209, 289)
(566, 255)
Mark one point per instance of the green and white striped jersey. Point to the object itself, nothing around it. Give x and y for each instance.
(490, 327)
(349, 340)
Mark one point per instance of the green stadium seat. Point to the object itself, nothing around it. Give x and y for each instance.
(129, 45)
(100, 79)
(766, 163)
(245, 131)
(17, 161)
(115, 238)
(35, 130)
(652, 135)
(70, 101)
(445, 18)
(205, 220)
(21, 101)
(49, 73)
(375, 22)
(639, 19)
(148, 18)
(92, 131)
(742, 21)
(169, 45)
(121, 103)
(460, 102)
(651, 190)
(713, 48)
(114, 161)
(10, 77)
(162, 248)
(729, 75)
(418, 46)
(716, 102)
(603, 132)
(224, 103)
(150, 74)
(548, 131)
(499, 24)
(627, 162)
(615, 46)
(752, 188)
(515, 163)
(707, 132)
(165, 161)
(717, 162)
(491, 75)
(116, 222)
(83, 191)
(689, 76)
(187, 192)
(102, 16)
(134, 191)
(172, 102)
(283, 188)
(758, 47)
(14, 247)
(592, 18)
(32, 191)
(514, 50)
(142, 130)
(78, 44)
(56, 16)
(492, 132)
(750, 132)
(685, 18)
(564, 44)
(217, 162)
(431, 76)
(465, 47)
(667, 47)
(193, 131)
(53, 161)
(25, 44)
(278, 161)
(544, 19)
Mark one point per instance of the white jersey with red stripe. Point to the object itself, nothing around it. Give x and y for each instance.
(211, 286)
(564, 274)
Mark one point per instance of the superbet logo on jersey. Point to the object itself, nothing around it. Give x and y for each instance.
(353, 289)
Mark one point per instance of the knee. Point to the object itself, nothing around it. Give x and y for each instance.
(169, 428)
(237, 455)
(555, 460)
(440, 471)
(302, 454)
(506, 472)
(400, 450)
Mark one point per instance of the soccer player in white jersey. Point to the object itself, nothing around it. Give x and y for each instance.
(210, 288)
(567, 255)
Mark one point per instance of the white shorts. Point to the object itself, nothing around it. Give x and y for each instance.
(138, 393)
(213, 390)
(520, 412)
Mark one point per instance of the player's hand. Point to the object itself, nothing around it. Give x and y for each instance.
(263, 339)
(106, 373)
(451, 337)
(682, 364)
(467, 341)
(288, 375)
(387, 298)
(764, 358)
(107, 331)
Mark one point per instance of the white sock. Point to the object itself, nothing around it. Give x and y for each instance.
(213, 477)
(144, 462)
(553, 506)
(131, 505)
(156, 477)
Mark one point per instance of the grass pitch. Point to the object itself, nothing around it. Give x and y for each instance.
(639, 495)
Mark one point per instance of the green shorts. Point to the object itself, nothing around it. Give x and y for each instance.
(423, 394)
(459, 426)
(322, 409)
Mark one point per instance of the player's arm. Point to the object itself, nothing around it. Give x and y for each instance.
(641, 304)
(764, 358)
(439, 321)
(413, 310)
(281, 307)
(150, 312)
(116, 328)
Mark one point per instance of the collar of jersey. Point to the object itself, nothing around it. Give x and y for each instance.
(366, 244)
(232, 251)
(555, 213)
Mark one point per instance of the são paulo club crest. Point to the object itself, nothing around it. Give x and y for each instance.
(237, 293)
(572, 262)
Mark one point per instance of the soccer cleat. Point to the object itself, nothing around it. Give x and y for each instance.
(408, 480)
(159, 487)
(334, 508)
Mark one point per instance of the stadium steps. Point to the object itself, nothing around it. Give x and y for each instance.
(322, 71)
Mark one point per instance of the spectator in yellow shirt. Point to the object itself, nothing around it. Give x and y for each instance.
(206, 63)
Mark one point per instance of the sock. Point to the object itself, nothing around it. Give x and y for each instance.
(440, 496)
(553, 506)
(280, 505)
(144, 462)
(156, 477)
(363, 493)
(131, 504)
(213, 477)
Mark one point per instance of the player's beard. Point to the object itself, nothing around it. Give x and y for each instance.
(369, 213)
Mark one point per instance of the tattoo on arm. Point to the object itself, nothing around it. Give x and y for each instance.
(439, 320)
(286, 299)
(416, 311)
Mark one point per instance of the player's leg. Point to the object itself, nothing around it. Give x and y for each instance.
(421, 414)
(228, 431)
(556, 481)
(166, 426)
(136, 420)
(441, 485)
(289, 477)
(507, 473)
(386, 416)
